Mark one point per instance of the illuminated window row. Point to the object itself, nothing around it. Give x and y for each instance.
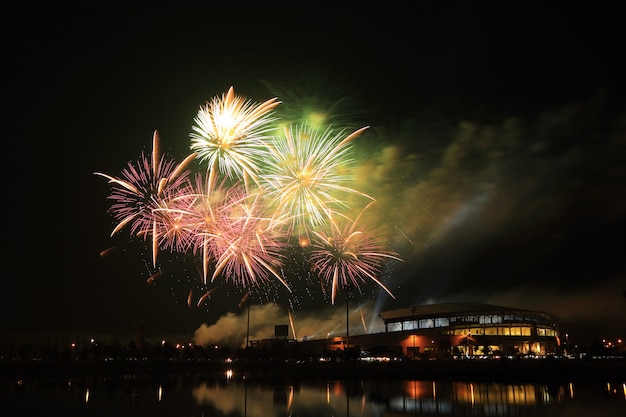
(493, 318)
(430, 323)
(543, 331)
(493, 331)
(523, 330)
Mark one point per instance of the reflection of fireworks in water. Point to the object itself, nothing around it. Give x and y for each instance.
(244, 234)
(347, 253)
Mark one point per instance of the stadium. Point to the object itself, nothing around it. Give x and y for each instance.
(444, 330)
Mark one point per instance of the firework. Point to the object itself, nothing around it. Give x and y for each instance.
(304, 186)
(247, 245)
(153, 277)
(309, 175)
(308, 98)
(205, 296)
(107, 252)
(199, 213)
(229, 132)
(144, 189)
(293, 328)
(347, 254)
(170, 230)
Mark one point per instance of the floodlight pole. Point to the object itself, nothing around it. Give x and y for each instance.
(248, 330)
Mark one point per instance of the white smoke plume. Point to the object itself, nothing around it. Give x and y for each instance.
(232, 329)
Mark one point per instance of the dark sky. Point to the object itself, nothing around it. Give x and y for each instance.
(495, 151)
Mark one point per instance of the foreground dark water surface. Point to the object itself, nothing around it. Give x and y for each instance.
(369, 390)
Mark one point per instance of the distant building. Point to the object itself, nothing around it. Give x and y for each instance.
(472, 329)
(449, 329)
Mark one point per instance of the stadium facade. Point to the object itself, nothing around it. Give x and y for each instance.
(472, 329)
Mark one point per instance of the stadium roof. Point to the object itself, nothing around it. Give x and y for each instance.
(451, 309)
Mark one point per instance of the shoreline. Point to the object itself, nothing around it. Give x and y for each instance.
(546, 370)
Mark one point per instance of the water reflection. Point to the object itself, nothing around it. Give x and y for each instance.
(466, 398)
(232, 394)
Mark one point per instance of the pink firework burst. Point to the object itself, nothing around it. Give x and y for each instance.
(247, 245)
(348, 254)
(143, 190)
(172, 220)
(201, 213)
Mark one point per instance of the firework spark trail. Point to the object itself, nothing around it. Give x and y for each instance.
(206, 295)
(107, 252)
(153, 277)
(404, 235)
(229, 134)
(363, 321)
(347, 253)
(293, 328)
(190, 297)
(244, 300)
(145, 187)
(308, 172)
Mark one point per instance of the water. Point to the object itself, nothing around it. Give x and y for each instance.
(235, 393)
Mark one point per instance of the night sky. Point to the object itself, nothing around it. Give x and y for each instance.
(495, 151)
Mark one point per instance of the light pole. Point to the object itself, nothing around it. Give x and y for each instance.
(248, 329)
(347, 319)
